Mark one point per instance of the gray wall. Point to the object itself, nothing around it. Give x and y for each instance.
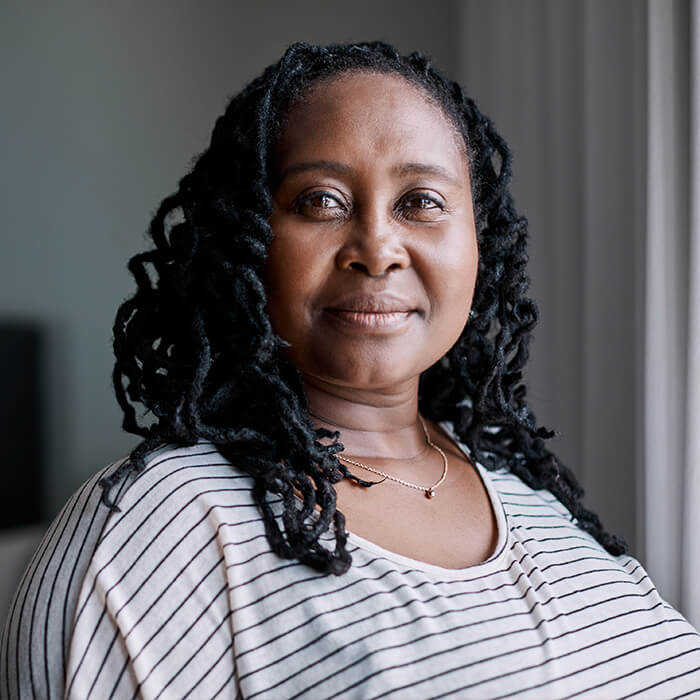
(103, 107)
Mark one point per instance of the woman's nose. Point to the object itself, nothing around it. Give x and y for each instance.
(375, 246)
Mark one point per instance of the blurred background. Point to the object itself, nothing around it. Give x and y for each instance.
(104, 106)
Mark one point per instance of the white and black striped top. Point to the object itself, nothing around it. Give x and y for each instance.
(179, 595)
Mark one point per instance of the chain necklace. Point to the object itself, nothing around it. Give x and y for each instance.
(429, 490)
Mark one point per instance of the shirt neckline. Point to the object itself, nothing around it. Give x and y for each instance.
(492, 562)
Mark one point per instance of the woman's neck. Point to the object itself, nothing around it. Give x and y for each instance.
(379, 424)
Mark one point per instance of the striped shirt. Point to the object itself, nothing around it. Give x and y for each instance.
(178, 595)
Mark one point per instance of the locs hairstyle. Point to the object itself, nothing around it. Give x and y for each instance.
(195, 348)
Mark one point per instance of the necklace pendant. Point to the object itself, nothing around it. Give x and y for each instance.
(429, 492)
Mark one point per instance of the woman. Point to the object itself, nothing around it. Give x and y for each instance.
(329, 334)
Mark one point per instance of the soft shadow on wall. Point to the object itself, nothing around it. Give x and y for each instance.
(565, 82)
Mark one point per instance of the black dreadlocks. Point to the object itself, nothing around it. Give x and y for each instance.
(195, 346)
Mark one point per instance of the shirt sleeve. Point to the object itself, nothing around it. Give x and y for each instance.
(153, 618)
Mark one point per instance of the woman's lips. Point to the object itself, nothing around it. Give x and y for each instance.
(369, 320)
(383, 311)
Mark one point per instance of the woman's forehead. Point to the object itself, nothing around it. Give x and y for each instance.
(364, 114)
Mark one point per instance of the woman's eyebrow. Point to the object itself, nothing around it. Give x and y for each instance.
(427, 169)
(337, 168)
(329, 166)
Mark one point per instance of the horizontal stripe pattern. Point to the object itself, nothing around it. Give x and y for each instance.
(179, 595)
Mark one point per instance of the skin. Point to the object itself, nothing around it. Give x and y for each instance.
(370, 279)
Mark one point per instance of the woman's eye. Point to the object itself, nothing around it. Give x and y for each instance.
(421, 206)
(422, 202)
(320, 205)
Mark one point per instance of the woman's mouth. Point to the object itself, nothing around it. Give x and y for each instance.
(370, 320)
(381, 312)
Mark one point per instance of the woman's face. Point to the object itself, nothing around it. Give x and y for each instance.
(372, 268)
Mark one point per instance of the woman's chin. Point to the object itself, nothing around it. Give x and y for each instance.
(381, 375)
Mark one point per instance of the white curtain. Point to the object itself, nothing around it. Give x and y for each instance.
(672, 319)
(691, 519)
(600, 102)
(691, 539)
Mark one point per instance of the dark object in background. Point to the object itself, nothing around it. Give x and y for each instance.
(20, 429)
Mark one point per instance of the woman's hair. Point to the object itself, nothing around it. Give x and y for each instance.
(195, 346)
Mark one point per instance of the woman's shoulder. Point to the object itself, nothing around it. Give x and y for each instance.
(182, 499)
(163, 514)
(174, 478)
(41, 612)
(176, 484)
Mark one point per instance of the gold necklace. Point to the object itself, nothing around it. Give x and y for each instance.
(429, 490)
